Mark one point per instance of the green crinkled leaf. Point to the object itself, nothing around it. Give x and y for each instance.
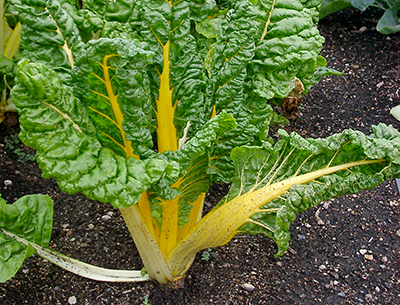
(49, 33)
(31, 218)
(57, 126)
(120, 10)
(288, 43)
(293, 156)
(209, 27)
(194, 162)
(125, 62)
(162, 24)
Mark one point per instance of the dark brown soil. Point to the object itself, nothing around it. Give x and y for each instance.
(351, 256)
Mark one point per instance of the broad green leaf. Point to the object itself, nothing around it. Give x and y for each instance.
(288, 43)
(110, 80)
(293, 156)
(361, 4)
(31, 218)
(57, 125)
(389, 22)
(49, 33)
(194, 161)
(331, 6)
(166, 28)
(120, 10)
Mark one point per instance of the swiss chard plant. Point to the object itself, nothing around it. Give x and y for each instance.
(145, 104)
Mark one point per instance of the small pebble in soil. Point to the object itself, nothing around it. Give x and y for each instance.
(106, 217)
(369, 296)
(363, 29)
(363, 251)
(72, 300)
(90, 226)
(7, 182)
(341, 294)
(369, 257)
(248, 287)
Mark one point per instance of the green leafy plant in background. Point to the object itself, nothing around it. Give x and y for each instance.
(9, 45)
(146, 104)
(389, 23)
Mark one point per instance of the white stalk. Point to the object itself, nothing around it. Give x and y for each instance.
(81, 268)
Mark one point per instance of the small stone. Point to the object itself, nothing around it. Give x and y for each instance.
(25, 271)
(90, 226)
(384, 259)
(72, 300)
(322, 267)
(301, 237)
(398, 233)
(106, 217)
(248, 287)
(380, 84)
(377, 289)
(341, 294)
(363, 29)
(7, 182)
(369, 257)
(363, 251)
(334, 274)
(355, 66)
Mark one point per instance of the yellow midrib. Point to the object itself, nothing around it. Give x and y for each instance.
(115, 106)
(65, 47)
(166, 131)
(13, 42)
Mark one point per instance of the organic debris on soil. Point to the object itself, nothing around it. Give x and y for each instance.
(345, 251)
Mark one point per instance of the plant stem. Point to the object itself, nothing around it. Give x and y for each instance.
(81, 268)
(152, 257)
